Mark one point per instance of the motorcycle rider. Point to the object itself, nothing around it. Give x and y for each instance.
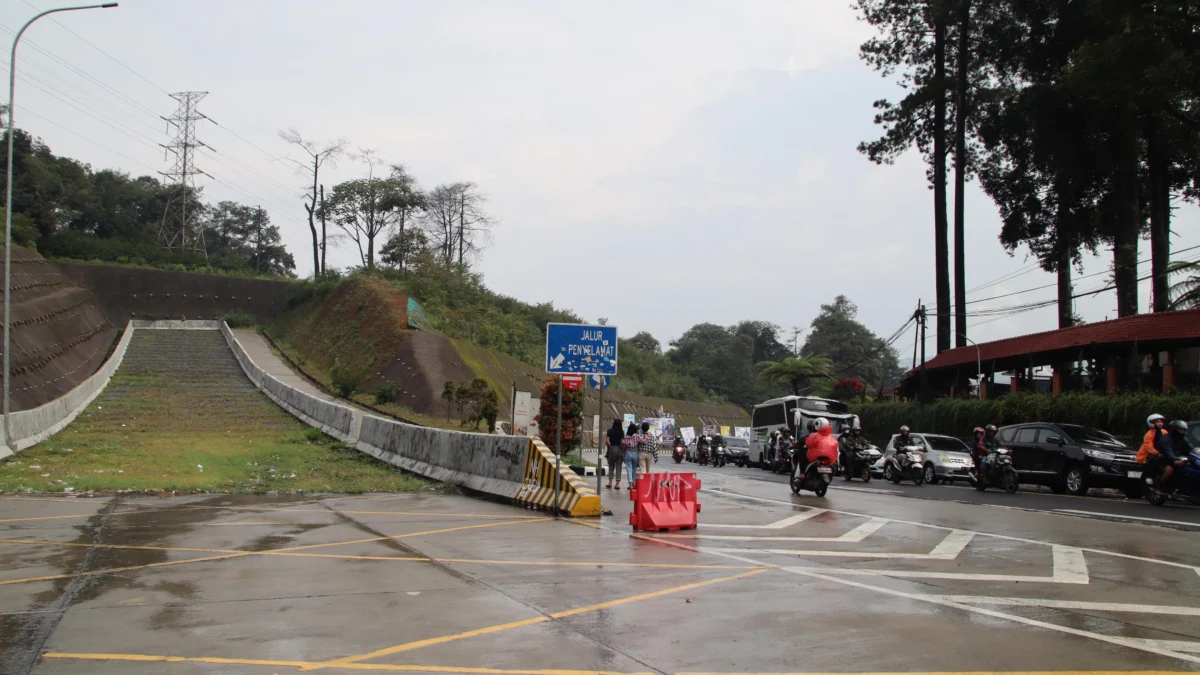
(701, 442)
(849, 443)
(1148, 454)
(979, 449)
(821, 443)
(901, 442)
(1174, 448)
(784, 447)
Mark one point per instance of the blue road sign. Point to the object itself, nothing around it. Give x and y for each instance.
(576, 348)
(598, 382)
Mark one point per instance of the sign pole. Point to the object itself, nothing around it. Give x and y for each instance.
(512, 399)
(558, 447)
(600, 438)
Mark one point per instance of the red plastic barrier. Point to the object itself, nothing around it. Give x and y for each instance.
(664, 501)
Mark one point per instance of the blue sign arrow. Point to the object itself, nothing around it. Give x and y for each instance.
(576, 348)
(598, 382)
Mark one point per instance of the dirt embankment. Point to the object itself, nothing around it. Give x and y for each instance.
(60, 334)
(363, 327)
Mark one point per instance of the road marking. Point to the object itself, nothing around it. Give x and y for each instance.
(1113, 515)
(868, 490)
(853, 536)
(777, 525)
(408, 646)
(114, 570)
(1069, 568)
(1111, 639)
(1173, 610)
(947, 549)
(19, 520)
(1098, 551)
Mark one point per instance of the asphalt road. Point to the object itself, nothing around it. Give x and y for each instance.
(1096, 504)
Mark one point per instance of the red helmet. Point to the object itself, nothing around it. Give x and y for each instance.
(979, 430)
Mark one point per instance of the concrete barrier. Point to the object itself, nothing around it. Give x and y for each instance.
(30, 427)
(339, 421)
(511, 467)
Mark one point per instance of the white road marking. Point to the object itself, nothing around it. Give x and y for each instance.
(948, 549)
(853, 536)
(1124, 607)
(1176, 645)
(777, 525)
(1069, 568)
(868, 490)
(1098, 551)
(1113, 515)
(1131, 643)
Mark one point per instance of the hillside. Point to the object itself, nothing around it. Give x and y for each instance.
(362, 326)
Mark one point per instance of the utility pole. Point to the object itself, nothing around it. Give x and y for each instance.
(924, 380)
(177, 230)
(322, 212)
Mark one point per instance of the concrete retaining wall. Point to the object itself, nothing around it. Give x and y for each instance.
(339, 421)
(30, 427)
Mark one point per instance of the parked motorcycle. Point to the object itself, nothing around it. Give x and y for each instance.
(859, 462)
(997, 470)
(1184, 487)
(678, 452)
(815, 477)
(905, 465)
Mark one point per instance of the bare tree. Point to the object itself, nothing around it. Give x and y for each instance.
(366, 208)
(319, 154)
(456, 221)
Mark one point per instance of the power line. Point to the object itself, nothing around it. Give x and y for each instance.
(27, 111)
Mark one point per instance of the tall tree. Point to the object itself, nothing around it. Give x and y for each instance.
(962, 94)
(319, 155)
(853, 350)
(456, 220)
(794, 371)
(941, 239)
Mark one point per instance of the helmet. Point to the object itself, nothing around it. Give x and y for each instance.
(991, 428)
(979, 430)
(1154, 418)
(1179, 425)
(820, 422)
(904, 429)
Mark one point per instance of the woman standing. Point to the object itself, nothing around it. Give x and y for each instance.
(647, 446)
(615, 455)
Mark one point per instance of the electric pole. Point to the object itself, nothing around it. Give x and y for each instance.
(178, 230)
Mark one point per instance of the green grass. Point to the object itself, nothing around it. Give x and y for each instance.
(145, 434)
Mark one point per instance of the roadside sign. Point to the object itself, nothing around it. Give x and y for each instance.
(572, 382)
(598, 382)
(578, 348)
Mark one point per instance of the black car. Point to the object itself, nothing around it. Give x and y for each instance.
(737, 451)
(1072, 458)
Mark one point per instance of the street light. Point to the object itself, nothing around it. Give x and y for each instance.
(978, 364)
(12, 85)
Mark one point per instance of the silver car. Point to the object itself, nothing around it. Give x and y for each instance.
(944, 458)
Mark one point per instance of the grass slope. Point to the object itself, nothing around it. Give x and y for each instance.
(179, 415)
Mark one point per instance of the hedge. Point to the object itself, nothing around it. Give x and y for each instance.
(1123, 415)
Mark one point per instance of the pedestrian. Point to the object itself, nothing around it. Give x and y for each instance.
(630, 453)
(615, 455)
(647, 446)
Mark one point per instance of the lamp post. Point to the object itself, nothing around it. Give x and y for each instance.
(978, 365)
(12, 85)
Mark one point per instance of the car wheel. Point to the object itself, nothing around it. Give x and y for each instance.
(930, 474)
(1075, 480)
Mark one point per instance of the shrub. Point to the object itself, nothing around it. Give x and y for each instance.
(572, 410)
(239, 320)
(385, 393)
(344, 382)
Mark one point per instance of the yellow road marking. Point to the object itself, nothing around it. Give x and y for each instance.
(81, 500)
(148, 658)
(74, 515)
(408, 646)
(113, 570)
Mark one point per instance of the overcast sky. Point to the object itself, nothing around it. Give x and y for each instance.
(659, 164)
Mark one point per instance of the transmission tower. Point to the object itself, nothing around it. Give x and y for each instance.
(178, 230)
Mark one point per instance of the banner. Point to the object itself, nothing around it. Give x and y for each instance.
(653, 422)
(741, 432)
(666, 428)
(688, 433)
(523, 415)
(629, 418)
(710, 430)
(725, 432)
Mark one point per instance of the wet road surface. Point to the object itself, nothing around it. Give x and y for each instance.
(860, 581)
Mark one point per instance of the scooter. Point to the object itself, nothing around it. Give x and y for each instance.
(784, 461)
(1184, 487)
(905, 465)
(859, 462)
(677, 452)
(997, 470)
(719, 456)
(815, 478)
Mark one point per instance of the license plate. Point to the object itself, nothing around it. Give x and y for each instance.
(824, 469)
(1135, 474)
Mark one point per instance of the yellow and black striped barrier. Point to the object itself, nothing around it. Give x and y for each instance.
(537, 487)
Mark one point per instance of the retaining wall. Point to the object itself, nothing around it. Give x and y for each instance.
(30, 427)
(511, 467)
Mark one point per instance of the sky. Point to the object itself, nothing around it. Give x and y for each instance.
(655, 164)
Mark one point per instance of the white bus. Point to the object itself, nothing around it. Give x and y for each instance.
(793, 412)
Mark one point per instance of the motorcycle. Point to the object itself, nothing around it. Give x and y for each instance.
(815, 478)
(997, 469)
(904, 465)
(702, 455)
(784, 462)
(719, 455)
(1184, 487)
(677, 452)
(858, 463)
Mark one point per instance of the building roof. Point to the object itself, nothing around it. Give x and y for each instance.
(1154, 331)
